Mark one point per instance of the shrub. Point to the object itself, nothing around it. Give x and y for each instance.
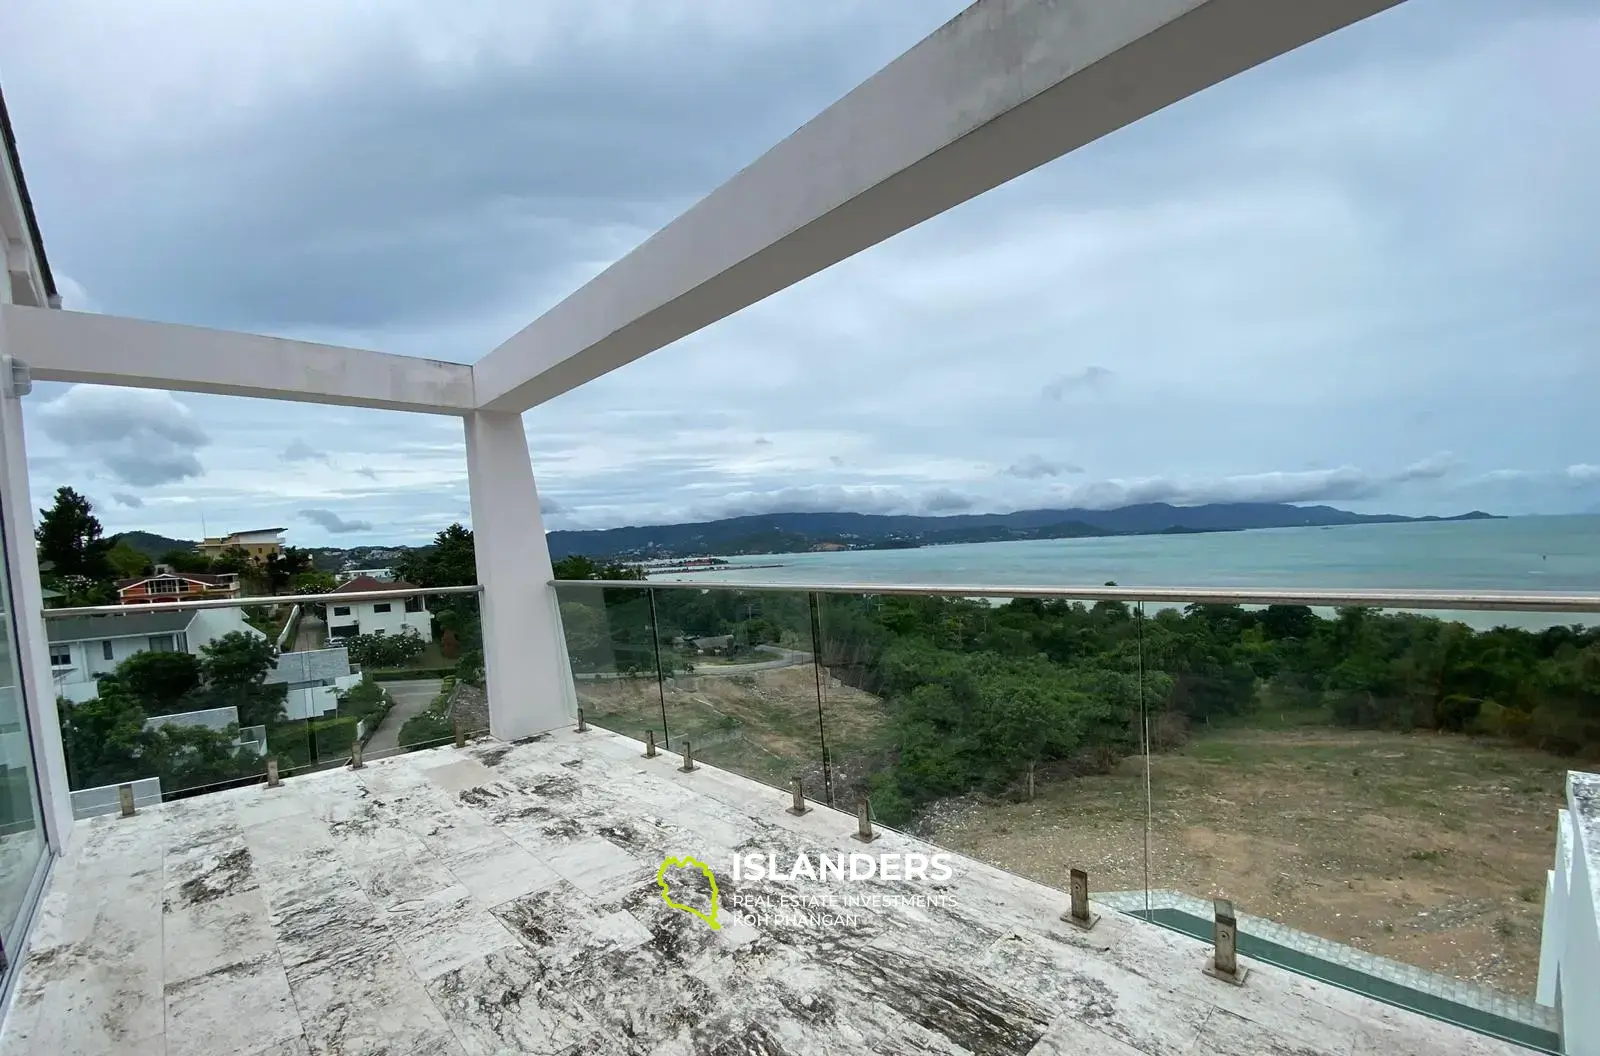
(385, 650)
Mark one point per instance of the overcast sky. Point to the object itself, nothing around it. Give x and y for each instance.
(1363, 274)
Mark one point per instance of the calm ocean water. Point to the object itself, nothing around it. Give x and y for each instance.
(1528, 554)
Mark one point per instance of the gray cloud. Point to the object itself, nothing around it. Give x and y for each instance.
(1033, 467)
(300, 451)
(1278, 272)
(946, 501)
(141, 438)
(550, 506)
(133, 502)
(1090, 377)
(762, 441)
(334, 524)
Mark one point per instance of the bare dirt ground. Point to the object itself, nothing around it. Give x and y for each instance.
(1430, 849)
(763, 725)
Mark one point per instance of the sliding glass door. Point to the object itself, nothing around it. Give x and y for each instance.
(22, 837)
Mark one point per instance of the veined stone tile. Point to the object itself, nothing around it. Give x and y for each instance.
(288, 834)
(1157, 1020)
(445, 931)
(1070, 1037)
(500, 872)
(337, 934)
(259, 804)
(462, 831)
(402, 878)
(597, 962)
(370, 831)
(1227, 1034)
(958, 1003)
(210, 935)
(596, 866)
(377, 1006)
(292, 1047)
(459, 775)
(231, 1010)
(501, 1002)
(205, 872)
(318, 874)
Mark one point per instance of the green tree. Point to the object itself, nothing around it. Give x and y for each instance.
(280, 569)
(187, 561)
(69, 539)
(127, 562)
(449, 562)
(159, 682)
(235, 559)
(235, 669)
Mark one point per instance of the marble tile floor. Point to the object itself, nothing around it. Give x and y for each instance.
(504, 899)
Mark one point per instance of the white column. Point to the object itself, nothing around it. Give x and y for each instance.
(27, 605)
(529, 682)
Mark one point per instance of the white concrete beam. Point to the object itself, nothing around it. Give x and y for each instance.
(524, 656)
(25, 596)
(110, 350)
(1001, 89)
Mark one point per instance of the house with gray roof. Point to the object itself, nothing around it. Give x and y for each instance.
(82, 648)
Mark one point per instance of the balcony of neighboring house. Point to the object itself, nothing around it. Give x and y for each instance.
(165, 585)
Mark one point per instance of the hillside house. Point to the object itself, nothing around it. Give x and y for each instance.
(166, 585)
(85, 647)
(315, 678)
(346, 620)
(259, 543)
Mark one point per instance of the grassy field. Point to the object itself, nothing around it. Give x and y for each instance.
(1427, 848)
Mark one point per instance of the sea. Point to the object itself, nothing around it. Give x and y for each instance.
(1521, 554)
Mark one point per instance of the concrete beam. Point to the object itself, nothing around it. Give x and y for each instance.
(109, 350)
(1001, 89)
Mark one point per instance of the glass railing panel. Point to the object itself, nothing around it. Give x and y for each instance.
(1375, 791)
(176, 702)
(1006, 729)
(740, 681)
(610, 637)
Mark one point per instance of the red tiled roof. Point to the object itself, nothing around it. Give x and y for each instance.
(196, 577)
(368, 585)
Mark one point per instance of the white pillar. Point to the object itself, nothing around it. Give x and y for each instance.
(27, 605)
(529, 682)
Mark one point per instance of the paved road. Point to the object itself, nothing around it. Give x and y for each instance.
(312, 632)
(411, 697)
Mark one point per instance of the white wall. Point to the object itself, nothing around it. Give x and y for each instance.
(1569, 948)
(210, 624)
(366, 616)
(311, 703)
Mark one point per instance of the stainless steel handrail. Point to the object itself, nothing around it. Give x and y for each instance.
(1427, 599)
(269, 599)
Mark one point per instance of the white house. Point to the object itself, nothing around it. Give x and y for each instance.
(315, 678)
(84, 647)
(369, 617)
(382, 575)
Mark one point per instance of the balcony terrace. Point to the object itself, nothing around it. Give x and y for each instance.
(503, 898)
(506, 896)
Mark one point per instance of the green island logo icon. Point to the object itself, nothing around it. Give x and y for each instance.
(666, 888)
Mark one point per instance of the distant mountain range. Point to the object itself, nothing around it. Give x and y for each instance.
(781, 533)
(327, 558)
(788, 533)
